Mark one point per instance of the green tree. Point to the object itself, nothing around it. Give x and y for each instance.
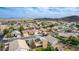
(8, 35)
(5, 31)
(1, 46)
(21, 28)
(69, 41)
(51, 25)
(73, 41)
(62, 39)
(77, 26)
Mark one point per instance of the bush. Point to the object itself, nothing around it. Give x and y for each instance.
(1, 46)
(49, 48)
(39, 49)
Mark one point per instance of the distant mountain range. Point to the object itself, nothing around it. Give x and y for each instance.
(69, 18)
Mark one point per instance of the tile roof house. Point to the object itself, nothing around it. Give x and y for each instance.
(25, 33)
(52, 40)
(41, 42)
(38, 42)
(28, 32)
(18, 45)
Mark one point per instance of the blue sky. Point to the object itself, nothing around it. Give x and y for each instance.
(37, 12)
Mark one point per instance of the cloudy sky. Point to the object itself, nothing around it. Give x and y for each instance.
(37, 12)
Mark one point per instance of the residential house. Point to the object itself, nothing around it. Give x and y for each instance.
(16, 34)
(52, 40)
(41, 42)
(68, 34)
(25, 33)
(2, 27)
(18, 45)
